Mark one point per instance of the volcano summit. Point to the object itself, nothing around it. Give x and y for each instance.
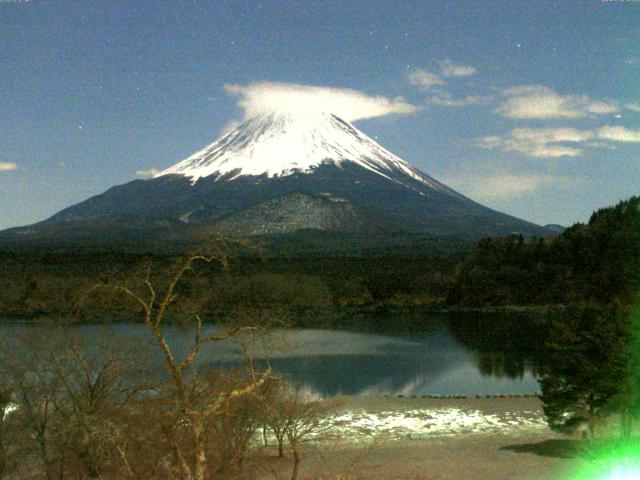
(279, 174)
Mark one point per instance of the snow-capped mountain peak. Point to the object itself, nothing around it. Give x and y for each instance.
(278, 174)
(281, 144)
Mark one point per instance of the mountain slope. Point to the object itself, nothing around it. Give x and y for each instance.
(279, 145)
(290, 213)
(278, 174)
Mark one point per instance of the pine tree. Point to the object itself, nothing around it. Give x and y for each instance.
(587, 367)
(627, 401)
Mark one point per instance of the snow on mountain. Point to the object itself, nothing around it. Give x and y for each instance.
(278, 174)
(281, 144)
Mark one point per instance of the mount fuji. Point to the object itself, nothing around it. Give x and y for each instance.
(280, 174)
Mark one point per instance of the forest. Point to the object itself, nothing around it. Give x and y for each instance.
(50, 284)
(593, 263)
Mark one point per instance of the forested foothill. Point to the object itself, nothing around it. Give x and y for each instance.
(37, 284)
(593, 263)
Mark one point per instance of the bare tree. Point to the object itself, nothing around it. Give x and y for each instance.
(83, 412)
(289, 415)
(28, 374)
(196, 402)
(94, 386)
(304, 418)
(6, 407)
(274, 417)
(65, 398)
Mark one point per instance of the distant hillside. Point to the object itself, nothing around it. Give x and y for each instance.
(552, 227)
(597, 262)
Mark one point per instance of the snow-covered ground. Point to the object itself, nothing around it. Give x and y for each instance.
(430, 422)
(380, 438)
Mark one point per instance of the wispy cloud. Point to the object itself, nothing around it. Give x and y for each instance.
(147, 173)
(558, 142)
(502, 185)
(8, 166)
(449, 68)
(447, 100)
(539, 142)
(435, 83)
(619, 134)
(634, 107)
(352, 105)
(424, 79)
(539, 102)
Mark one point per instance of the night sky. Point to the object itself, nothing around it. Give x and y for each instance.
(529, 107)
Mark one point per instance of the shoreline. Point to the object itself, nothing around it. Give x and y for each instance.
(37, 317)
(472, 438)
(432, 417)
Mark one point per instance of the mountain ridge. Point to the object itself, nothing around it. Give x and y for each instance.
(276, 144)
(277, 174)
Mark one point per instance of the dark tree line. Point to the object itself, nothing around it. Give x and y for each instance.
(592, 370)
(47, 284)
(593, 263)
(588, 263)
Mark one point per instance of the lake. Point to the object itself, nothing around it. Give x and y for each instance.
(467, 359)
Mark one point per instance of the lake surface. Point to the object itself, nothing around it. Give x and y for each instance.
(338, 362)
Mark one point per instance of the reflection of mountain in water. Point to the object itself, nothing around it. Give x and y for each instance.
(337, 362)
(356, 374)
(366, 364)
(331, 362)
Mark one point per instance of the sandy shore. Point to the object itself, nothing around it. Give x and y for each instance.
(416, 438)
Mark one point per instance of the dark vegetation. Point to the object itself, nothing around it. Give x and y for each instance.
(49, 284)
(589, 360)
(587, 264)
(506, 343)
(592, 370)
(596, 263)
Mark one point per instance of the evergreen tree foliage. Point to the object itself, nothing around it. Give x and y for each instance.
(627, 401)
(594, 263)
(587, 368)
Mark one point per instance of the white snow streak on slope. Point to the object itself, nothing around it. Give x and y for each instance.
(277, 144)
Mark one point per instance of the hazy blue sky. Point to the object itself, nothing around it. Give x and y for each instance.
(529, 107)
